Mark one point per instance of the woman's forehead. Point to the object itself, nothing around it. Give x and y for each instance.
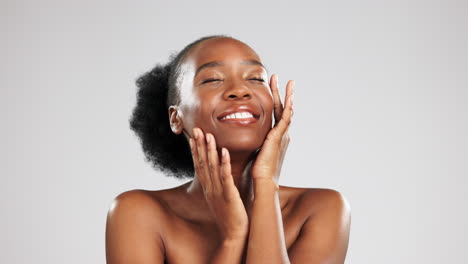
(222, 50)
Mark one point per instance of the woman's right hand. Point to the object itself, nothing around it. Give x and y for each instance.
(221, 193)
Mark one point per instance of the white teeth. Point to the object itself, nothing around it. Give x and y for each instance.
(238, 115)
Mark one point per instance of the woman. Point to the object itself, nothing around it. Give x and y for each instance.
(208, 115)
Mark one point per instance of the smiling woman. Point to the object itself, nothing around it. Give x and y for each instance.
(211, 115)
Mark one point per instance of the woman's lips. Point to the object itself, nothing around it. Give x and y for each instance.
(239, 115)
(240, 118)
(239, 121)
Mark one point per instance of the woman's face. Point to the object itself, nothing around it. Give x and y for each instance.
(225, 91)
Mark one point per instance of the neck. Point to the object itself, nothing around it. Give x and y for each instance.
(241, 163)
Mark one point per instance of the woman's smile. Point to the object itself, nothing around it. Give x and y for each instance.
(239, 115)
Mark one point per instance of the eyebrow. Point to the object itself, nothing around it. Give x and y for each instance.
(219, 63)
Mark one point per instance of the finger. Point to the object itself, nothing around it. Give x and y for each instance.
(285, 121)
(289, 95)
(202, 159)
(277, 105)
(193, 149)
(229, 187)
(213, 162)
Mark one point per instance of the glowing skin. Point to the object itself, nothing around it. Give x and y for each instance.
(233, 211)
(207, 93)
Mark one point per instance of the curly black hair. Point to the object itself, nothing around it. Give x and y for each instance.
(157, 90)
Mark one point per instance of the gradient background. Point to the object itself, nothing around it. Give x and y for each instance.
(381, 115)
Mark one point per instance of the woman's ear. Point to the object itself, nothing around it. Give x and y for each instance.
(175, 120)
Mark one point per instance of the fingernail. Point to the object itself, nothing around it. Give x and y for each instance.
(208, 138)
(195, 134)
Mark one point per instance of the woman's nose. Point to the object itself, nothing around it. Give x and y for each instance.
(237, 91)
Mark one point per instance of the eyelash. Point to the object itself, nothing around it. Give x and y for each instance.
(258, 79)
(211, 80)
(214, 80)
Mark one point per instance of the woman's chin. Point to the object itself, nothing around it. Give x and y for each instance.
(241, 146)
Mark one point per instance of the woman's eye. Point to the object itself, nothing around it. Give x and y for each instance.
(211, 80)
(258, 79)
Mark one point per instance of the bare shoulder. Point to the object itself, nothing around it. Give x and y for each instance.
(136, 203)
(324, 233)
(327, 198)
(134, 228)
(314, 200)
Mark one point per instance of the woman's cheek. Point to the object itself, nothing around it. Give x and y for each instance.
(192, 117)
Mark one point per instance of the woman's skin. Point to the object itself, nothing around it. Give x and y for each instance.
(233, 211)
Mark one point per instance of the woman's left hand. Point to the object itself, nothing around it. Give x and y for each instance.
(268, 162)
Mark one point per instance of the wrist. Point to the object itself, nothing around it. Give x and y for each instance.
(228, 251)
(237, 236)
(234, 242)
(265, 186)
(266, 182)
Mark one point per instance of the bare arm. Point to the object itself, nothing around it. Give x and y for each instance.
(229, 251)
(266, 238)
(132, 234)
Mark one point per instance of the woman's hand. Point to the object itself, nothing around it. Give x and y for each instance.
(221, 193)
(268, 162)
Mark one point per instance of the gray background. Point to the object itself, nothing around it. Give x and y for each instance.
(380, 115)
